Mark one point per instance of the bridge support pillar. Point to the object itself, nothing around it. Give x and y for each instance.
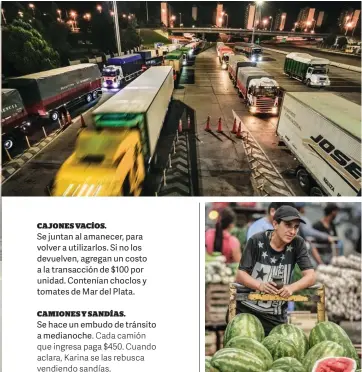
(203, 36)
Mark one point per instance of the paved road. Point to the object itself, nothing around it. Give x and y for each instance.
(33, 178)
(348, 60)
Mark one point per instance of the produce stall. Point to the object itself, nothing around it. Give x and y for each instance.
(287, 348)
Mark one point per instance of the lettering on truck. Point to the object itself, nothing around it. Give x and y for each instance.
(347, 168)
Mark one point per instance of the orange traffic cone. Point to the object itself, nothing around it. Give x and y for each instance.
(238, 134)
(188, 122)
(83, 125)
(208, 124)
(180, 126)
(219, 126)
(235, 127)
(69, 118)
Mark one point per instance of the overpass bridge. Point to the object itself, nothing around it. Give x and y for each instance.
(243, 32)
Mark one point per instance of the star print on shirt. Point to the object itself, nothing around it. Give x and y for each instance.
(261, 245)
(289, 248)
(261, 274)
(282, 257)
(264, 255)
(273, 260)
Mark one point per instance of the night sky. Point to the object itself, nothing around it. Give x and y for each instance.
(236, 10)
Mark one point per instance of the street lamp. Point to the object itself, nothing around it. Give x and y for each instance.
(124, 16)
(111, 13)
(32, 7)
(265, 22)
(21, 14)
(87, 16)
(74, 15)
(348, 25)
(260, 3)
(2, 12)
(180, 19)
(99, 8)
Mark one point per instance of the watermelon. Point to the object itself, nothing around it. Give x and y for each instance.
(252, 346)
(236, 360)
(246, 325)
(207, 364)
(322, 350)
(329, 331)
(288, 364)
(295, 335)
(280, 347)
(335, 365)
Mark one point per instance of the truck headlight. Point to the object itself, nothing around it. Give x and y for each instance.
(253, 58)
(223, 66)
(105, 85)
(274, 110)
(115, 85)
(253, 109)
(260, 58)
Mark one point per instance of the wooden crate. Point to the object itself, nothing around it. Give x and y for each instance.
(304, 320)
(210, 342)
(216, 303)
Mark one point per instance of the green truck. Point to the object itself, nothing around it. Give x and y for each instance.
(310, 70)
(176, 60)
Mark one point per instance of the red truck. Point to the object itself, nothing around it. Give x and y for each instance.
(14, 117)
(47, 94)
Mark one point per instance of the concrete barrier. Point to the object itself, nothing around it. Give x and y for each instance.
(335, 64)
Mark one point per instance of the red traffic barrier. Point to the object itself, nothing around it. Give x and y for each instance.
(238, 134)
(83, 125)
(180, 126)
(235, 127)
(219, 125)
(208, 124)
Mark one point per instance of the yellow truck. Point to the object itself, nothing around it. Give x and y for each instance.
(113, 160)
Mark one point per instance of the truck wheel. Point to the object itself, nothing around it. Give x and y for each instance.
(308, 83)
(88, 98)
(94, 95)
(127, 187)
(54, 116)
(304, 179)
(316, 191)
(8, 143)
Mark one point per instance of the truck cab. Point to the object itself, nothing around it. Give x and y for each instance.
(317, 75)
(104, 163)
(112, 76)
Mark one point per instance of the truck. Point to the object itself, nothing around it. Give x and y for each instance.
(310, 70)
(114, 159)
(224, 52)
(260, 91)
(323, 131)
(14, 117)
(219, 45)
(235, 62)
(47, 94)
(176, 60)
(150, 58)
(121, 69)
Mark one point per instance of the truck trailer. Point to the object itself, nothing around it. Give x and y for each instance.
(114, 159)
(121, 69)
(235, 62)
(14, 117)
(176, 59)
(260, 91)
(323, 131)
(46, 94)
(310, 70)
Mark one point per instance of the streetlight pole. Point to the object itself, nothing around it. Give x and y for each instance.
(147, 11)
(116, 28)
(180, 19)
(271, 22)
(227, 20)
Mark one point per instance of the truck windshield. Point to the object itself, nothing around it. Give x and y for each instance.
(266, 92)
(128, 120)
(319, 71)
(111, 73)
(256, 51)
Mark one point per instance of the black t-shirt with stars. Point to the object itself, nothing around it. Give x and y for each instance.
(262, 262)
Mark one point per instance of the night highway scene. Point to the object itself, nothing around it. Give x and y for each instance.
(234, 98)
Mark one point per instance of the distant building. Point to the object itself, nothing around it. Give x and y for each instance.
(164, 14)
(355, 19)
(345, 16)
(194, 13)
(279, 22)
(320, 18)
(306, 17)
(219, 15)
(249, 17)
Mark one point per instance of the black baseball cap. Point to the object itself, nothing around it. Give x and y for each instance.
(287, 213)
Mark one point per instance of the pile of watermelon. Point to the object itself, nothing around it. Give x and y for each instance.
(285, 349)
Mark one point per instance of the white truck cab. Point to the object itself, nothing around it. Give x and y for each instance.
(263, 96)
(317, 76)
(112, 76)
